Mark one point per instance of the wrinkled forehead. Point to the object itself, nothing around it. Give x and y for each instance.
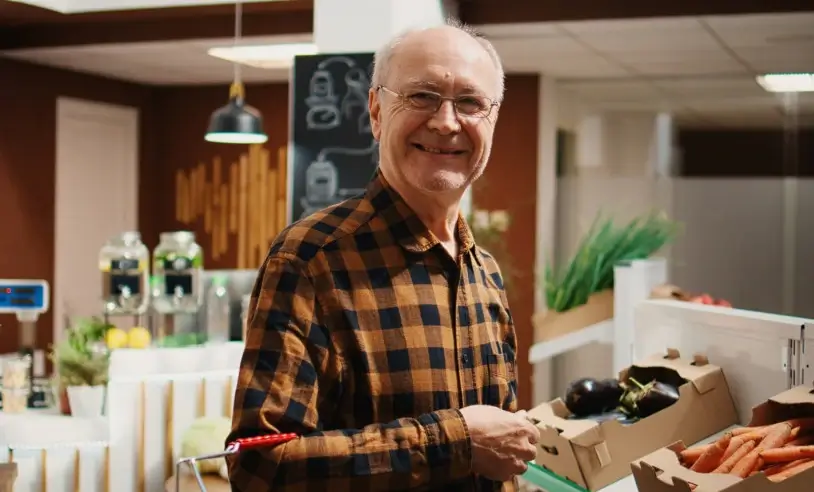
(453, 64)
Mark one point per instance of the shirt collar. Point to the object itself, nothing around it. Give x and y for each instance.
(404, 224)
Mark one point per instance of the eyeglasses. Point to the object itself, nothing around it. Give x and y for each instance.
(472, 106)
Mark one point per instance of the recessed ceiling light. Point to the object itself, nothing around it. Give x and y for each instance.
(787, 82)
(264, 56)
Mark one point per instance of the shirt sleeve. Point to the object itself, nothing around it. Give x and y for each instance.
(288, 382)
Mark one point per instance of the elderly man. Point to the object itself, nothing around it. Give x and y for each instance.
(379, 332)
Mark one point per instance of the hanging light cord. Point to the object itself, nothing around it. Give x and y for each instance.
(237, 84)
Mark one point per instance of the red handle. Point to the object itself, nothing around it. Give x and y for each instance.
(263, 441)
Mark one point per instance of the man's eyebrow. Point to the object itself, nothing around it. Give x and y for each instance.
(468, 89)
(423, 84)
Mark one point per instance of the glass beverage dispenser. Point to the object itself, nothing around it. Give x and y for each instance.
(177, 288)
(125, 263)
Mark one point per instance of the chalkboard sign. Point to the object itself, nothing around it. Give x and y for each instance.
(332, 154)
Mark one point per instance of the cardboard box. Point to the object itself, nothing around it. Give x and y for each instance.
(660, 471)
(8, 475)
(594, 455)
(552, 324)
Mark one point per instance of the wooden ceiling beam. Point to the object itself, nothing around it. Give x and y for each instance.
(170, 24)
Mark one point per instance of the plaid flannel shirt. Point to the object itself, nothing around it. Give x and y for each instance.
(365, 337)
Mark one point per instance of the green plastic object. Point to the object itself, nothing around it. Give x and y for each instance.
(548, 481)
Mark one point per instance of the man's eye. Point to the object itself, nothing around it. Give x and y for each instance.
(471, 103)
(423, 98)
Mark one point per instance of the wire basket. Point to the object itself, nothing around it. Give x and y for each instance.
(235, 447)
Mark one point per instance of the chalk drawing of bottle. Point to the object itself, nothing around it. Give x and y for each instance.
(323, 113)
(321, 182)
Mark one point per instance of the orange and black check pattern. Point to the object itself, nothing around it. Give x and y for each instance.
(365, 337)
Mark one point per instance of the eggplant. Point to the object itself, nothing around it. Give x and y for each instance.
(587, 396)
(645, 400)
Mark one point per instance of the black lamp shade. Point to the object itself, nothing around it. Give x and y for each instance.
(236, 123)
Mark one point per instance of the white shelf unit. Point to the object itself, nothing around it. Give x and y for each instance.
(633, 283)
(759, 352)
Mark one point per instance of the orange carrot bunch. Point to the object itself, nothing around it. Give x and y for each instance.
(779, 450)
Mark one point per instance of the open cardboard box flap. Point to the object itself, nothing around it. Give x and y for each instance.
(661, 471)
(698, 371)
(594, 454)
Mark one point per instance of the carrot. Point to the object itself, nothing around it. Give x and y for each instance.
(746, 430)
(738, 455)
(800, 441)
(777, 438)
(792, 471)
(758, 434)
(691, 455)
(712, 456)
(775, 469)
(752, 461)
(735, 444)
(787, 454)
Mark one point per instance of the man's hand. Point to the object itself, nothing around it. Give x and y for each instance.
(502, 442)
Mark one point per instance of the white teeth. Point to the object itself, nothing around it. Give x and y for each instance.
(434, 151)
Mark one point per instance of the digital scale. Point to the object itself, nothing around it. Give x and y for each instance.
(28, 299)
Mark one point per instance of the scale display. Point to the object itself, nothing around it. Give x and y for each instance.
(23, 295)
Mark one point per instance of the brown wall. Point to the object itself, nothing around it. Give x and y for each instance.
(510, 183)
(28, 95)
(173, 122)
(182, 117)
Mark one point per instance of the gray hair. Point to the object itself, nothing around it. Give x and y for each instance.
(381, 60)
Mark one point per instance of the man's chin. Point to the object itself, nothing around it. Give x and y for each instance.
(443, 182)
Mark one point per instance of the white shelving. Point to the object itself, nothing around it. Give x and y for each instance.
(601, 332)
(633, 284)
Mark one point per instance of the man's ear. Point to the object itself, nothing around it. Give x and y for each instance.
(375, 109)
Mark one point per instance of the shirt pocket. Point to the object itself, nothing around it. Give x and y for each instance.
(502, 388)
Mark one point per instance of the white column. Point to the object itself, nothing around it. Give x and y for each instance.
(626, 144)
(347, 26)
(590, 148)
(664, 145)
(545, 234)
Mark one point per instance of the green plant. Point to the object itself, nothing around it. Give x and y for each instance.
(606, 245)
(82, 358)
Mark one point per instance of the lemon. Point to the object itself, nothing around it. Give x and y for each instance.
(115, 338)
(138, 337)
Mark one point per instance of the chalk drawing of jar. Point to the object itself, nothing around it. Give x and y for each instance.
(321, 182)
(323, 113)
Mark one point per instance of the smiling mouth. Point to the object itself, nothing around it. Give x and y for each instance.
(433, 150)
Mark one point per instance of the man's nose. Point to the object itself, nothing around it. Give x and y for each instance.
(445, 120)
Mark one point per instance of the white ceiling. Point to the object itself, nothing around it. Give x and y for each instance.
(702, 68)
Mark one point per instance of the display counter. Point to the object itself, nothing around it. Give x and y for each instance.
(149, 406)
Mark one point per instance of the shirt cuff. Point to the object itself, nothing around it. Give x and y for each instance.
(454, 435)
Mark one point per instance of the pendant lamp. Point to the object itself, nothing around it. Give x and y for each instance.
(237, 122)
